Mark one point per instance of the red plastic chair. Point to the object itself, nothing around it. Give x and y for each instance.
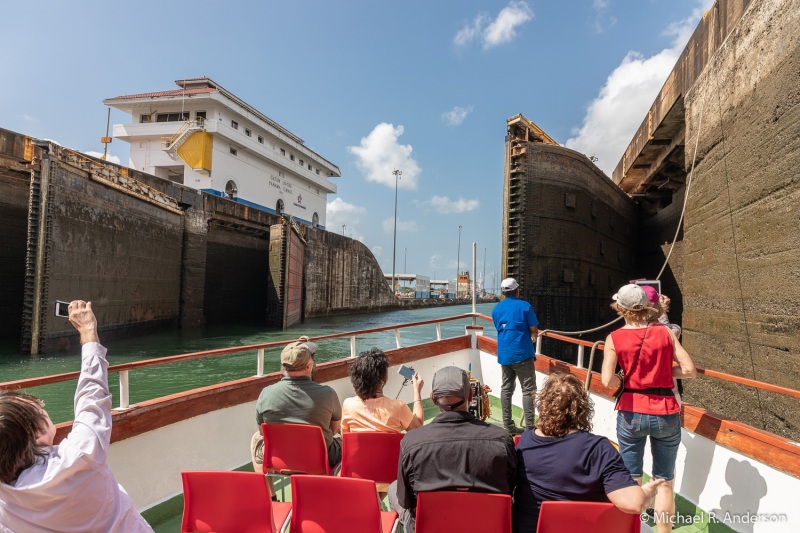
(516, 440)
(577, 517)
(328, 504)
(371, 455)
(230, 501)
(294, 449)
(463, 511)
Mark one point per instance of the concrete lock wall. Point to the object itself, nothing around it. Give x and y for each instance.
(741, 278)
(148, 252)
(342, 275)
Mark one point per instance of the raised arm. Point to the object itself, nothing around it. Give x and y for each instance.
(419, 409)
(685, 367)
(91, 429)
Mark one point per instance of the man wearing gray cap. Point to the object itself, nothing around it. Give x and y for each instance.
(297, 399)
(455, 451)
(517, 329)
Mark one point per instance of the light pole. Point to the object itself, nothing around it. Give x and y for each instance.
(397, 173)
(458, 259)
(483, 278)
(343, 226)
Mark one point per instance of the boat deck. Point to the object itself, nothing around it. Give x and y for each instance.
(166, 518)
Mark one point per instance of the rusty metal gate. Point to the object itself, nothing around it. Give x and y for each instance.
(287, 254)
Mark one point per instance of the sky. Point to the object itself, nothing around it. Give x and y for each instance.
(420, 86)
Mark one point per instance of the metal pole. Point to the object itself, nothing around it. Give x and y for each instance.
(474, 267)
(458, 259)
(343, 226)
(483, 277)
(397, 174)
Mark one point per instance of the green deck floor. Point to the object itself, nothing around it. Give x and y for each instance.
(166, 518)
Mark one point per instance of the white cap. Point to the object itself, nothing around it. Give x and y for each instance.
(631, 297)
(508, 285)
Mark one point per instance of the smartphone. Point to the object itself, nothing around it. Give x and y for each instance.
(406, 371)
(62, 308)
(656, 284)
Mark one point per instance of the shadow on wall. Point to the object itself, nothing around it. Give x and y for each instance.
(747, 489)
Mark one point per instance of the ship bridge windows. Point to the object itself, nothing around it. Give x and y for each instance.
(172, 117)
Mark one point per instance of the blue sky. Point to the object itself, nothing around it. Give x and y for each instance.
(420, 86)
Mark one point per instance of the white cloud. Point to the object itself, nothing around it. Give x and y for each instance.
(110, 158)
(402, 225)
(380, 154)
(612, 118)
(470, 32)
(456, 116)
(28, 118)
(501, 30)
(445, 206)
(377, 251)
(504, 27)
(340, 212)
(602, 20)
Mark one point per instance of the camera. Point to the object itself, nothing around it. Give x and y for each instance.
(62, 308)
(407, 372)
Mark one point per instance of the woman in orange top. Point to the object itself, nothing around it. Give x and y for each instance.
(647, 407)
(370, 410)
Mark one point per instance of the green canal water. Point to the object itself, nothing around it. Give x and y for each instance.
(154, 382)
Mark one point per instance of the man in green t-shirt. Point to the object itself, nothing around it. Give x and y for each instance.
(297, 399)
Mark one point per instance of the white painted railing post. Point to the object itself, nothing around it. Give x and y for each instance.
(124, 390)
(397, 338)
(438, 331)
(352, 346)
(260, 363)
(539, 344)
(580, 356)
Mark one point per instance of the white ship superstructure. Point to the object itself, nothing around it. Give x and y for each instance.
(205, 137)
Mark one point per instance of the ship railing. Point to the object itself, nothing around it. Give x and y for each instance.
(599, 345)
(124, 369)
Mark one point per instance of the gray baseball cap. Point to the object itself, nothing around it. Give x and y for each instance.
(451, 381)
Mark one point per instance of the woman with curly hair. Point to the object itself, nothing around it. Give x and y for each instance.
(647, 407)
(562, 460)
(370, 410)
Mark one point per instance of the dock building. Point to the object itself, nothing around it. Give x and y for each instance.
(205, 137)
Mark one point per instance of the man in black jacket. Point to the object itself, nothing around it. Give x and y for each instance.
(455, 451)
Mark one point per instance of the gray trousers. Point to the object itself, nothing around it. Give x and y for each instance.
(526, 373)
(406, 516)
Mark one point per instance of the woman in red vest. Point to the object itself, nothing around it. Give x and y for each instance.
(647, 407)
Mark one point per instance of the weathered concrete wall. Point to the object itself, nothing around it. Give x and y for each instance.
(121, 252)
(741, 279)
(579, 238)
(14, 183)
(342, 275)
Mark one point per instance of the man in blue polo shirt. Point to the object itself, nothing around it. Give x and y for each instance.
(517, 329)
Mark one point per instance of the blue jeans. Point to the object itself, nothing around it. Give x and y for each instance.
(665, 436)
